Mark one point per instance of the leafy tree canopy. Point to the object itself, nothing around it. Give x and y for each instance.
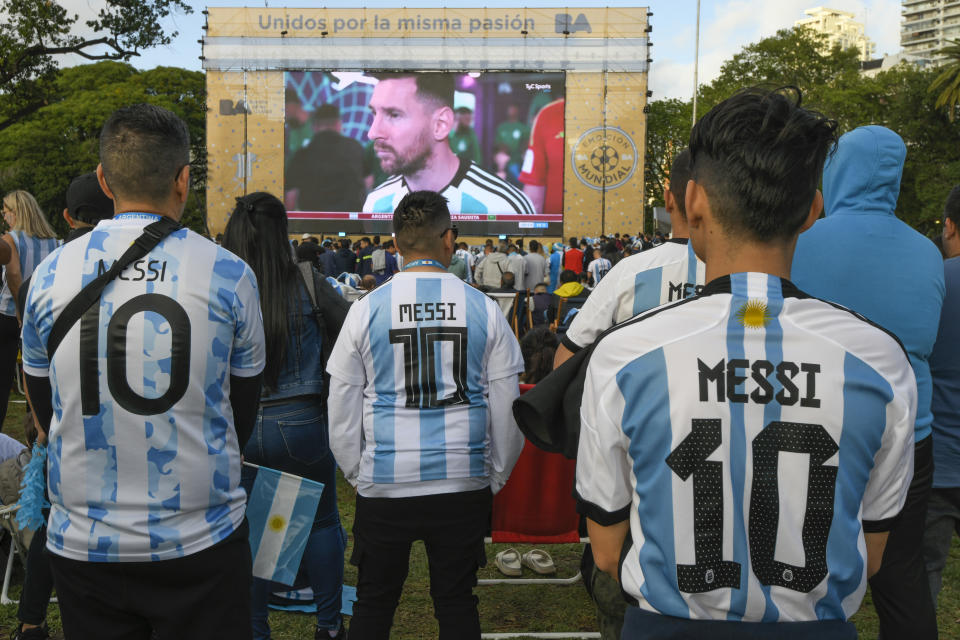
(60, 141)
(830, 82)
(34, 34)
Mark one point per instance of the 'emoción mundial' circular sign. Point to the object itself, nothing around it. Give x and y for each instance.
(604, 157)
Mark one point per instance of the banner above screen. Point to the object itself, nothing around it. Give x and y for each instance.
(547, 39)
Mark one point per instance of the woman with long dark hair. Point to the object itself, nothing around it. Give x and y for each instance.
(291, 432)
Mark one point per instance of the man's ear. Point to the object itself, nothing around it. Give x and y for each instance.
(182, 184)
(695, 200)
(949, 228)
(669, 202)
(70, 221)
(816, 207)
(443, 119)
(103, 183)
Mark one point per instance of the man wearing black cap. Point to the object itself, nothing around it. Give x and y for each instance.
(87, 205)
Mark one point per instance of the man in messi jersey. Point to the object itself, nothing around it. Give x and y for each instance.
(424, 375)
(743, 453)
(641, 282)
(147, 403)
(412, 120)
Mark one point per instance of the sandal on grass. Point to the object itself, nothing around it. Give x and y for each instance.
(539, 561)
(508, 562)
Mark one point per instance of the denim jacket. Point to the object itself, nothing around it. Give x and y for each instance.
(302, 370)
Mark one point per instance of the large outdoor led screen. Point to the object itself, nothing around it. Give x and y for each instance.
(492, 143)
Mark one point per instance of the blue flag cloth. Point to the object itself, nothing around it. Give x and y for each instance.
(280, 510)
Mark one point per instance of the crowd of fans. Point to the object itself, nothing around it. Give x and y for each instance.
(313, 354)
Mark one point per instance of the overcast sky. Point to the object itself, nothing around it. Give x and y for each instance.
(725, 27)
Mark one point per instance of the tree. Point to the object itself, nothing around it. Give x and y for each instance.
(35, 33)
(668, 131)
(795, 57)
(60, 141)
(830, 81)
(948, 81)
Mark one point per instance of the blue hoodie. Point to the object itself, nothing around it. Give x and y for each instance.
(861, 256)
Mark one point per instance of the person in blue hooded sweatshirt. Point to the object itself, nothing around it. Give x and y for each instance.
(862, 257)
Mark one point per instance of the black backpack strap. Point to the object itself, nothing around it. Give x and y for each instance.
(151, 237)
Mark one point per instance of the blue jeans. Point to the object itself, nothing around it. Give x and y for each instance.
(293, 437)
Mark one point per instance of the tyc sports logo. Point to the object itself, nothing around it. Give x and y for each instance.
(604, 157)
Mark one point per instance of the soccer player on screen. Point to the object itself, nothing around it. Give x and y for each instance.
(542, 170)
(743, 453)
(412, 121)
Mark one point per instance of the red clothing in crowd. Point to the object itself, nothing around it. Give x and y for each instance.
(573, 260)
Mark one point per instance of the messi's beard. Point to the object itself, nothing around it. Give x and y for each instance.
(409, 164)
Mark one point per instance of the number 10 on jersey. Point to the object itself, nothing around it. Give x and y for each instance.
(710, 571)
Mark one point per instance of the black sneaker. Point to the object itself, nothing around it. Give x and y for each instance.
(321, 634)
(34, 633)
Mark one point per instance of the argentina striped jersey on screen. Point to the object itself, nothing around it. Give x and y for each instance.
(750, 435)
(144, 462)
(32, 251)
(638, 283)
(472, 190)
(422, 346)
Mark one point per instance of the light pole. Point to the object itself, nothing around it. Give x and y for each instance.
(696, 66)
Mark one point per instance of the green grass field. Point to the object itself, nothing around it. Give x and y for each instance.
(503, 609)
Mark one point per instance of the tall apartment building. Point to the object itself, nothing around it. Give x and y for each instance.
(840, 29)
(927, 26)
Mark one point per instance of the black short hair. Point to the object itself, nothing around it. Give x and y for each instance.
(345, 243)
(759, 156)
(951, 209)
(567, 276)
(419, 220)
(388, 244)
(534, 246)
(143, 148)
(462, 110)
(573, 241)
(679, 177)
(434, 86)
(325, 112)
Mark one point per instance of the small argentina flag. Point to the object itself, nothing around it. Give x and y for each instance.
(280, 510)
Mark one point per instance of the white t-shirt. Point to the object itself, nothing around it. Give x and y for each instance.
(750, 435)
(144, 462)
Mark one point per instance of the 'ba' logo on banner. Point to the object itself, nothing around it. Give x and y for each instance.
(604, 157)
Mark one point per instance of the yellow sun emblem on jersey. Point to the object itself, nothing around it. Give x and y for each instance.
(277, 523)
(753, 314)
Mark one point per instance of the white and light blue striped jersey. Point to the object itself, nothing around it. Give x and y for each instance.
(598, 268)
(31, 251)
(144, 462)
(425, 346)
(472, 190)
(751, 435)
(636, 284)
